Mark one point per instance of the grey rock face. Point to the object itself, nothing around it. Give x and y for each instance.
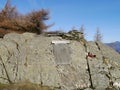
(36, 59)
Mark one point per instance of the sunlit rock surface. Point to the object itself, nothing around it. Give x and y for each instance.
(34, 58)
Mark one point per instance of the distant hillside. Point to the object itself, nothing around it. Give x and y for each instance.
(115, 45)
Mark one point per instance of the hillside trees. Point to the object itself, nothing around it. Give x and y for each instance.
(98, 36)
(82, 29)
(11, 20)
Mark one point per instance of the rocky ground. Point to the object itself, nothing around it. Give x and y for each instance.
(34, 58)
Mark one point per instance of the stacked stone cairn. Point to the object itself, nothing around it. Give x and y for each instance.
(73, 35)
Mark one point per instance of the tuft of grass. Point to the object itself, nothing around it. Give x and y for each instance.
(23, 86)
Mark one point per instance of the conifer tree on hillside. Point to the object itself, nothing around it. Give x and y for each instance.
(12, 20)
(8, 12)
(82, 30)
(98, 36)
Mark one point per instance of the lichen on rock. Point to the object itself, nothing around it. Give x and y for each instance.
(32, 57)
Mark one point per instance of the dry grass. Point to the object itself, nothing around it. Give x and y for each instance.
(23, 86)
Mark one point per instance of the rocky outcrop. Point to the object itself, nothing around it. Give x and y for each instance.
(34, 58)
(73, 35)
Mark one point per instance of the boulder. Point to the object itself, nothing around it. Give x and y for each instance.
(62, 66)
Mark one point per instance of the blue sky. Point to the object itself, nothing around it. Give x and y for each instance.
(66, 14)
